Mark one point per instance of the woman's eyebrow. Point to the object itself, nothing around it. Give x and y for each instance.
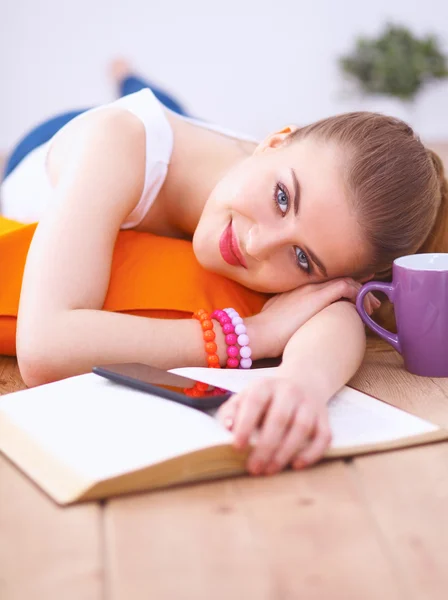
(296, 191)
(320, 265)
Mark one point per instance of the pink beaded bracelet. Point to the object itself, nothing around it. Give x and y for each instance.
(242, 339)
(229, 331)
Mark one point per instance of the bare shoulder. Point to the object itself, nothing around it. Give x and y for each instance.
(115, 131)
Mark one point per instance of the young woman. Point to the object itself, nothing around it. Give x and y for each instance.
(306, 214)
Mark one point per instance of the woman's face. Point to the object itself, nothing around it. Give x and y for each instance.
(281, 219)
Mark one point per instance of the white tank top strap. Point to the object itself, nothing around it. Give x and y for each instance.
(159, 147)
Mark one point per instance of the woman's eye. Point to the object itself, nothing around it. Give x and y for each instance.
(282, 200)
(302, 259)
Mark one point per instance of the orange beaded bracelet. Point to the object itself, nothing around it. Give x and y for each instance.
(198, 390)
(209, 337)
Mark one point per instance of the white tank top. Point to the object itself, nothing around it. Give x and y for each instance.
(26, 193)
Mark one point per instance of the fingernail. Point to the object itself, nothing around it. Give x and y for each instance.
(299, 464)
(272, 468)
(228, 422)
(255, 467)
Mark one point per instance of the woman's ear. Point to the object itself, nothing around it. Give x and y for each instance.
(275, 139)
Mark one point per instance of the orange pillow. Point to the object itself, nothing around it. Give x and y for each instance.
(151, 276)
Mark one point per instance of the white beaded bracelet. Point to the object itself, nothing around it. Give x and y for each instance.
(243, 338)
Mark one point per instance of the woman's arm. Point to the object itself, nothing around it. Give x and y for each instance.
(97, 173)
(291, 408)
(327, 350)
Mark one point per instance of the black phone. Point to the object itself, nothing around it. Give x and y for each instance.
(195, 394)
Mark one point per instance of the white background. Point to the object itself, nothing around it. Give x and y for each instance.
(252, 65)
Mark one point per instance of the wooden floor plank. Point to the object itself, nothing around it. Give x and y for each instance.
(189, 542)
(442, 384)
(407, 493)
(298, 535)
(319, 540)
(10, 379)
(46, 552)
(383, 375)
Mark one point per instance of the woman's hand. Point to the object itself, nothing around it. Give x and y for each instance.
(285, 417)
(282, 315)
(292, 424)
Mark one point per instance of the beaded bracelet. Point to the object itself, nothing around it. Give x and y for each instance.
(200, 390)
(229, 331)
(242, 339)
(209, 337)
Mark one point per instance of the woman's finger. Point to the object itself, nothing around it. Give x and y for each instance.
(298, 437)
(336, 290)
(253, 405)
(374, 301)
(371, 303)
(276, 423)
(318, 445)
(368, 305)
(227, 411)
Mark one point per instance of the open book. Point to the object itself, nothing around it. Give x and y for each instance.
(86, 437)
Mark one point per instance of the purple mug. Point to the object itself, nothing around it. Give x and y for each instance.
(419, 293)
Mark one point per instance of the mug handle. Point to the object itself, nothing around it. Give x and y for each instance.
(389, 290)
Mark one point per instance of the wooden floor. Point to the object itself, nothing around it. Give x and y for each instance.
(375, 527)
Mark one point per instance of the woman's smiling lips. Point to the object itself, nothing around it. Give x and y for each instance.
(229, 248)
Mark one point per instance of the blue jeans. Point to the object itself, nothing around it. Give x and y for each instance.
(46, 130)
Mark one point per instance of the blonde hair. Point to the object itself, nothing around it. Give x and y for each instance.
(435, 241)
(397, 186)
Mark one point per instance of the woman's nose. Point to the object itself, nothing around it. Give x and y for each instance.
(262, 242)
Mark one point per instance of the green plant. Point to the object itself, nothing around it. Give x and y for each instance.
(397, 63)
